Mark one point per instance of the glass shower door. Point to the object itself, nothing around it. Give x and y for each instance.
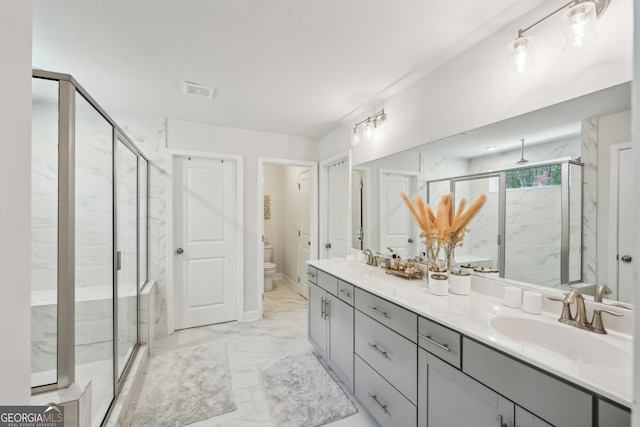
(126, 252)
(94, 255)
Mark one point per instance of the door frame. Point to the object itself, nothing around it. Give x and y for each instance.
(172, 154)
(367, 207)
(262, 161)
(613, 214)
(324, 197)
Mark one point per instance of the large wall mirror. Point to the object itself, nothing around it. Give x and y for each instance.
(565, 204)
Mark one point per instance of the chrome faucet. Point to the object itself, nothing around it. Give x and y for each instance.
(368, 257)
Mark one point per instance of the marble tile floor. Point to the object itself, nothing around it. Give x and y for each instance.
(281, 332)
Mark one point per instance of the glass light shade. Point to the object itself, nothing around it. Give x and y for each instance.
(579, 26)
(521, 59)
(382, 120)
(369, 127)
(355, 136)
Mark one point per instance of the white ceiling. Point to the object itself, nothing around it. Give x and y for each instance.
(296, 67)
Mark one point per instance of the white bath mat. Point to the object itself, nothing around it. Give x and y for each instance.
(301, 393)
(185, 386)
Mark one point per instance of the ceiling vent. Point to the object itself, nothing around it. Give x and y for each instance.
(197, 90)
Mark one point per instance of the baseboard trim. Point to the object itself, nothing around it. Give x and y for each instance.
(249, 316)
(300, 288)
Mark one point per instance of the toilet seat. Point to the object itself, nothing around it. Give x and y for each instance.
(269, 266)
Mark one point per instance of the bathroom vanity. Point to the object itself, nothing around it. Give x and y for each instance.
(416, 359)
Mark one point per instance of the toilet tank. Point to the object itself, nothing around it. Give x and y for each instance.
(268, 252)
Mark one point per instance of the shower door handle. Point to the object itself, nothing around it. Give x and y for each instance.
(118, 261)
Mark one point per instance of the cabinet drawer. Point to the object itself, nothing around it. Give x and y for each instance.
(384, 402)
(610, 415)
(543, 395)
(395, 317)
(346, 292)
(327, 282)
(393, 356)
(312, 274)
(440, 341)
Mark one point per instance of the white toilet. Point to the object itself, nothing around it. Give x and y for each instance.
(269, 267)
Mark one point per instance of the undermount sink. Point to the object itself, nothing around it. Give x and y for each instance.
(568, 341)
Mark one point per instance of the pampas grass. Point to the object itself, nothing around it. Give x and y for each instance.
(448, 226)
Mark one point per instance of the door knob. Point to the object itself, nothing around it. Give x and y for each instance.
(328, 246)
(410, 240)
(626, 258)
(179, 251)
(308, 243)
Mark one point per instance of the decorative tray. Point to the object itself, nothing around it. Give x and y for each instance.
(402, 273)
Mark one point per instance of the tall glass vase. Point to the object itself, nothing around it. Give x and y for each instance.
(449, 263)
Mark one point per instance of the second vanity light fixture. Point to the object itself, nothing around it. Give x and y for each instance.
(578, 28)
(365, 129)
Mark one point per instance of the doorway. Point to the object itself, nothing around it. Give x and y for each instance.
(206, 235)
(287, 221)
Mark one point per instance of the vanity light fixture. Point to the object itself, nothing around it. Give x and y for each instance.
(367, 128)
(522, 160)
(579, 30)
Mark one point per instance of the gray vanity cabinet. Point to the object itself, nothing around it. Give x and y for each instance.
(448, 397)
(525, 418)
(610, 415)
(316, 321)
(555, 401)
(340, 338)
(330, 326)
(386, 360)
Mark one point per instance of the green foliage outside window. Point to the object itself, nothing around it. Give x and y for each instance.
(535, 177)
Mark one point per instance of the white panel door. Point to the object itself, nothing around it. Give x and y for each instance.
(626, 225)
(337, 244)
(397, 226)
(304, 235)
(206, 239)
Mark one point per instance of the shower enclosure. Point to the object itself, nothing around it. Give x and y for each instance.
(89, 242)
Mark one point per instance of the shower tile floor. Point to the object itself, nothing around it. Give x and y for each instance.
(281, 332)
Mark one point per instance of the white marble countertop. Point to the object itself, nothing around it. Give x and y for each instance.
(471, 315)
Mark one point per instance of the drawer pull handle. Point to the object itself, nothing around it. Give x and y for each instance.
(445, 347)
(345, 293)
(375, 310)
(501, 422)
(322, 307)
(380, 352)
(374, 398)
